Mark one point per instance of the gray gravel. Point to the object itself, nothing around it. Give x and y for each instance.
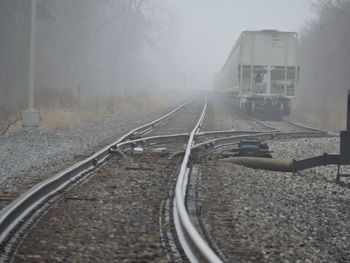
(183, 122)
(285, 126)
(113, 217)
(23, 151)
(264, 216)
(224, 116)
(279, 217)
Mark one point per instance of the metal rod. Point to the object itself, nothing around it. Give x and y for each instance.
(348, 113)
(262, 163)
(32, 54)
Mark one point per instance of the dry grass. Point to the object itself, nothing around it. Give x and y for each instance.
(59, 118)
(15, 126)
(9, 118)
(325, 114)
(59, 110)
(95, 109)
(126, 104)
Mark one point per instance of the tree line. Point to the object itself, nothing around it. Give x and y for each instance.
(325, 64)
(81, 46)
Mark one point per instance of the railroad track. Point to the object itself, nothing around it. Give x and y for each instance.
(262, 216)
(154, 156)
(291, 126)
(15, 218)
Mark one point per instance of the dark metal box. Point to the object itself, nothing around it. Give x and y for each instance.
(345, 147)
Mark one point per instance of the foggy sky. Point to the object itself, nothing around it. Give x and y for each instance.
(201, 33)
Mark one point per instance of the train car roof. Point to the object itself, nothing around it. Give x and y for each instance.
(267, 31)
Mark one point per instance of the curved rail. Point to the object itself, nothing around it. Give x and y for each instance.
(303, 126)
(14, 215)
(196, 249)
(262, 123)
(227, 133)
(229, 141)
(182, 137)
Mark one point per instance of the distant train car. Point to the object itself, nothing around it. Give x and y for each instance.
(262, 72)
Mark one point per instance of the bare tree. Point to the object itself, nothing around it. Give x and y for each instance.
(7, 118)
(325, 62)
(93, 44)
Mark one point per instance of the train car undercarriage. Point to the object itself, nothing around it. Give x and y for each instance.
(268, 108)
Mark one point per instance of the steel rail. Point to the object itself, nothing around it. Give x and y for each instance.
(303, 126)
(299, 125)
(262, 123)
(16, 213)
(176, 138)
(195, 247)
(286, 120)
(150, 126)
(152, 141)
(228, 133)
(228, 141)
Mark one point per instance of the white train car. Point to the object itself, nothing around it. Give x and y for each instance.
(262, 71)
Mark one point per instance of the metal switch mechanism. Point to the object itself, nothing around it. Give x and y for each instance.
(254, 154)
(248, 148)
(338, 159)
(253, 148)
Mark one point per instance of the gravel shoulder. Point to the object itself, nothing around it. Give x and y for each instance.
(115, 216)
(278, 217)
(264, 216)
(285, 126)
(30, 156)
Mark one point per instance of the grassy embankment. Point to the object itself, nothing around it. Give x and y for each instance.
(324, 114)
(60, 110)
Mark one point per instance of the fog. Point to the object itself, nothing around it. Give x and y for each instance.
(112, 46)
(87, 50)
(202, 32)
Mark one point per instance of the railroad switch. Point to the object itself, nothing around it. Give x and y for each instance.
(254, 148)
(137, 150)
(248, 150)
(251, 148)
(331, 159)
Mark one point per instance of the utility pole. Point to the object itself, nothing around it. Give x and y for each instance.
(79, 96)
(31, 117)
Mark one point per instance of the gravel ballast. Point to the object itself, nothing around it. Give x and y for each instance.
(264, 216)
(285, 126)
(116, 215)
(27, 154)
(222, 115)
(251, 215)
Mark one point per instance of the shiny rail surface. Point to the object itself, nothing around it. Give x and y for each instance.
(303, 126)
(195, 247)
(229, 141)
(16, 213)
